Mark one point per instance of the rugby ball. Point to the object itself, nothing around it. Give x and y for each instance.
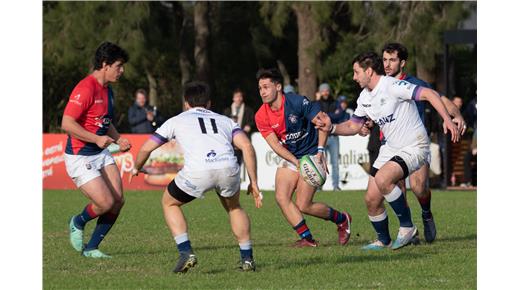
(312, 171)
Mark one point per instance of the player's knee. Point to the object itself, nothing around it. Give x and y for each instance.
(304, 207)
(371, 202)
(384, 185)
(282, 200)
(106, 204)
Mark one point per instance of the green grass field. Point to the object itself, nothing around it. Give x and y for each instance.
(144, 252)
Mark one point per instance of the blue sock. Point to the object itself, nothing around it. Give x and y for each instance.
(183, 243)
(103, 226)
(380, 224)
(303, 231)
(246, 250)
(85, 216)
(336, 216)
(397, 201)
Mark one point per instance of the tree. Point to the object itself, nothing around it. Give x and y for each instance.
(201, 51)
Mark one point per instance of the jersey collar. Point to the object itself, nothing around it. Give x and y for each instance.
(403, 76)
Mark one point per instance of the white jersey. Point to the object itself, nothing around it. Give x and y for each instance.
(205, 138)
(391, 105)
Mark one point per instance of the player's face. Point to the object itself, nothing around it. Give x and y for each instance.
(360, 76)
(268, 90)
(114, 71)
(392, 63)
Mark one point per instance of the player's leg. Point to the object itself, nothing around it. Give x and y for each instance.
(172, 200)
(420, 186)
(285, 183)
(97, 191)
(374, 201)
(112, 179)
(386, 179)
(240, 225)
(304, 200)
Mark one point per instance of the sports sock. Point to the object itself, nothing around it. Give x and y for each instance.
(85, 216)
(336, 216)
(425, 203)
(246, 250)
(183, 243)
(303, 230)
(103, 226)
(398, 203)
(380, 224)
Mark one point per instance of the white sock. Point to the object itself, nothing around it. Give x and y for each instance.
(245, 245)
(181, 238)
(378, 218)
(394, 194)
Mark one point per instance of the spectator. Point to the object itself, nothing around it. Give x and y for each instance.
(243, 115)
(343, 103)
(289, 89)
(337, 115)
(470, 114)
(143, 118)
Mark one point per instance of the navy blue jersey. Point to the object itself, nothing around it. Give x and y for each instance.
(291, 124)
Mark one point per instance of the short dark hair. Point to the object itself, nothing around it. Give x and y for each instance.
(271, 73)
(196, 93)
(109, 53)
(238, 90)
(141, 91)
(370, 60)
(402, 52)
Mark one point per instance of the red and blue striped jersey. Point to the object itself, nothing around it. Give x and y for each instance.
(291, 124)
(91, 105)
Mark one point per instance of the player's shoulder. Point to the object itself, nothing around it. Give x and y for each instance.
(416, 81)
(293, 98)
(261, 113)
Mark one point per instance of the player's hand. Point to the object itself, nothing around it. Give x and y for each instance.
(322, 122)
(124, 144)
(133, 173)
(365, 130)
(104, 141)
(448, 125)
(257, 195)
(461, 124)
(322, 159)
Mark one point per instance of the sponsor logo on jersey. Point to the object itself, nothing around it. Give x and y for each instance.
(382, 101)
(77, 96)
(275, 126)
(305, 101)
(88, 166)
(211, 154)
(366, 105)
(293, 118)
(99, 101)
(385, 120)
(295, 137)
(190, 185)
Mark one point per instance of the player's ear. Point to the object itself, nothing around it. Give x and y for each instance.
(278, 87)
(402, 63)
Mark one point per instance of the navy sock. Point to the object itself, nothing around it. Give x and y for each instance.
(398, 203)
(425, 203)
(85, 216)
(336, 216)
(183, 243)
(380, 224)
(103, 226)
(303, 231)
(246, 250)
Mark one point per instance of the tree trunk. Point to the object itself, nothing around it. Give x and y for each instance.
(184, 60)
(308, 37)
(201, 51)
(152, 89)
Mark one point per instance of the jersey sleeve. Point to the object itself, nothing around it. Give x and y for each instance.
(80, 101)
(360, 115)
(262, 124)
(164, 133)
(309, 109)
(404, 90)
(235, 128)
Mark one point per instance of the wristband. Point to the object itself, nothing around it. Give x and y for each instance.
(332, 129)
(321, 149)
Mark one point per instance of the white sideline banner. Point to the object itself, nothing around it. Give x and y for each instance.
(353, 151)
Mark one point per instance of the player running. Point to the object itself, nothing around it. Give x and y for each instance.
(395, 56)
(207, 140)
(87, 119)
(389, 102)
(286, 121)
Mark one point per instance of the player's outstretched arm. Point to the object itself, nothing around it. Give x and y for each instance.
(143, 154)
(434, 99)
(455, 113)
(278, 148)
(69, 125)
(347, 128)
(241, 141)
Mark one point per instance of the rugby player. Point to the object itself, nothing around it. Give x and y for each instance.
(87, 119)
(287, 122)
(395, 56)
(207, 140)
(389, 102)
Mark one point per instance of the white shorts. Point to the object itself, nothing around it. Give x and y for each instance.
(413, 156)
(287, 164)
(225, 181)
(83, 169)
